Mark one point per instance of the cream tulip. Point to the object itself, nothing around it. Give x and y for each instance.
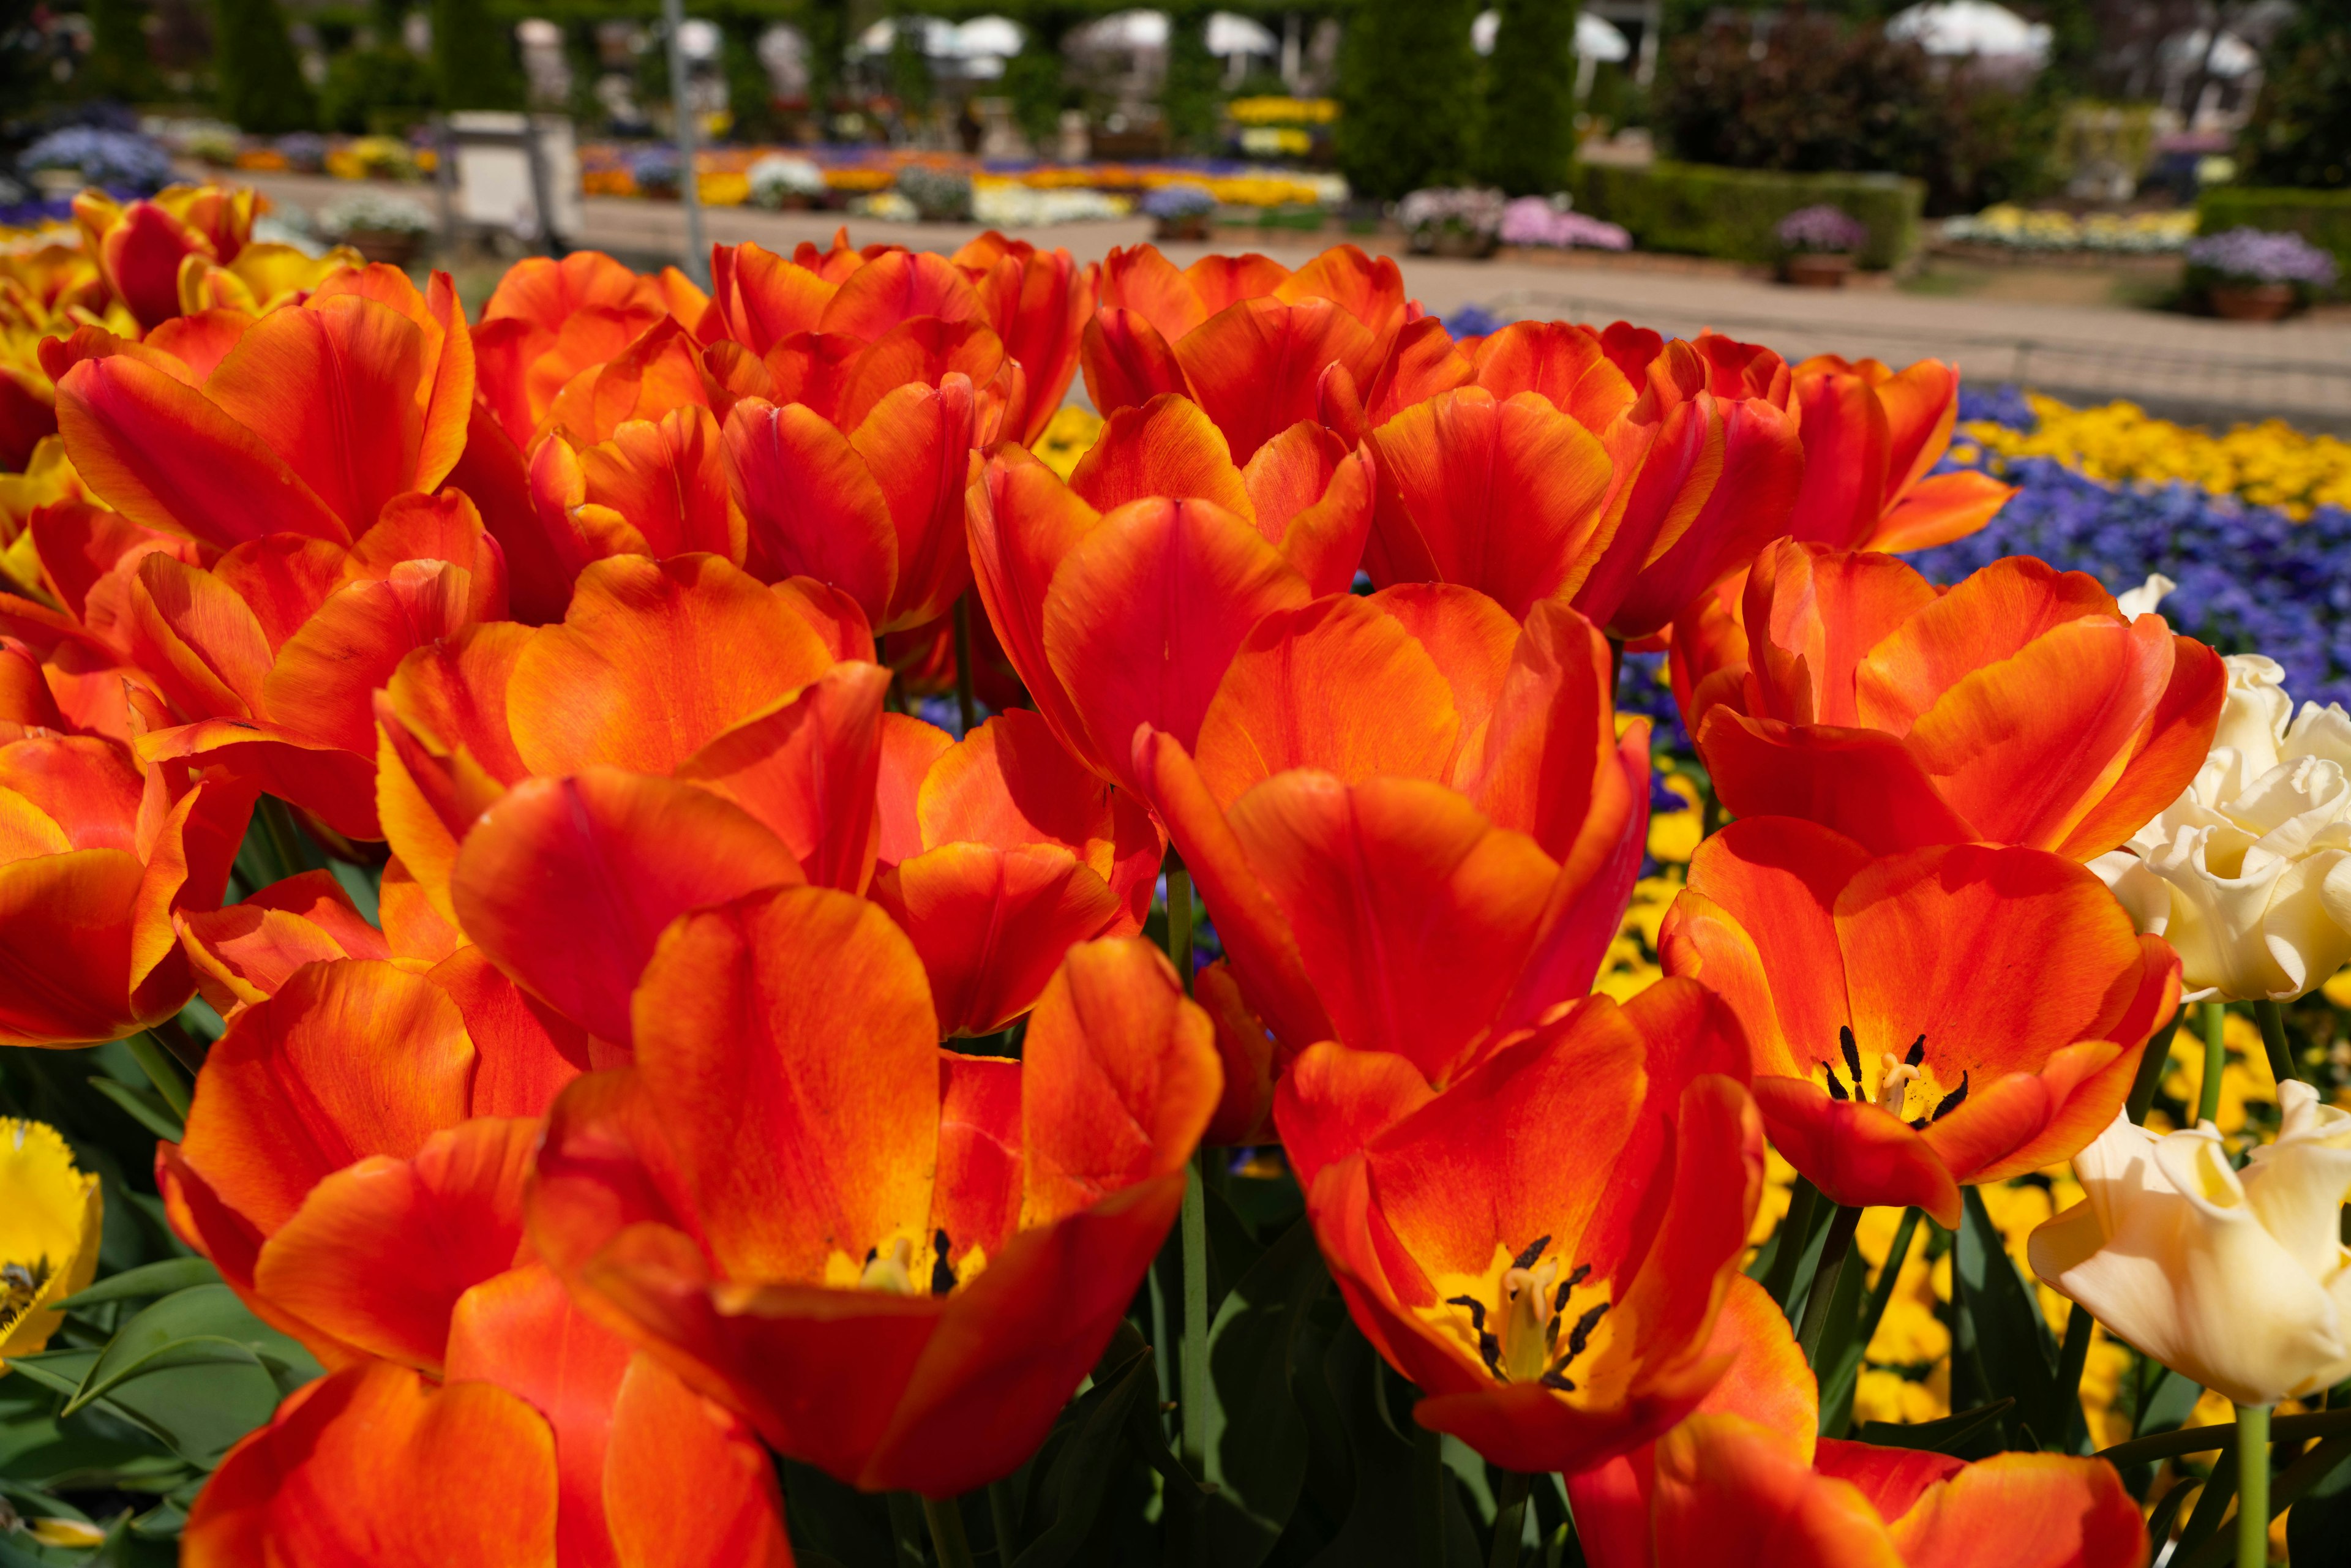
(2238, 1280)
(2248, 875)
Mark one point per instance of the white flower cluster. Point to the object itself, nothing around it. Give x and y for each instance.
(2248, 875)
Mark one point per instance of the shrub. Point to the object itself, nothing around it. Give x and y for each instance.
(2300, 133)
(376, 89)
(1809, 95)
(1404, 82)
(1733, 213)
(473, 53)
(262, 91)
(1529, 140)
(938, 193)
(2322, 217)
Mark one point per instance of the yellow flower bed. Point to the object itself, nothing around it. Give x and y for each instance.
(2269, 464)
(1275, 110)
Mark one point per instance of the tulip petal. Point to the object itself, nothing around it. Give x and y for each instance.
(1166, 448)
(2164, 766)
(1255, 366)
(1564, 363)
(528, 1051)
(451, 1216)
(685, 1483)
(977, 1199)
(916, 442)
(786, 1043)
(569, 882)
(1862, 783)
(2035, 1511)
(652, 662)
(1937, 510)
(251, 948)
(1733, 1494)
(376, 1465)
(992, 924)
(1855, 1152)
(65, 946)
(1846, 451)
(807, 770)
(319, 687)
(1312, 499)
(1024, 523)
(765, 297)
(1990, 616)
(667, 479)
(1245, 1111)
(897, 287)
(811, 503)
(1127, 361)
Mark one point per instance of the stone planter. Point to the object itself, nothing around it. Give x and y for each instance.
(1816, 270)
(394, 246)
(2253, 301)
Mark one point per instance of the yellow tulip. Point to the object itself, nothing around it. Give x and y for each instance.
(50, 1216)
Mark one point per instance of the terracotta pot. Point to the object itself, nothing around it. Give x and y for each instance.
(1816, 269)
(396, 247)
(2253, 301)
(1192, 228)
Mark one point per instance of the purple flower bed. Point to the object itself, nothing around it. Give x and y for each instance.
(2257, 256)
(1531, 220)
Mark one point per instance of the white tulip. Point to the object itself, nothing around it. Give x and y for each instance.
(2249, 872)
(2237, 1280)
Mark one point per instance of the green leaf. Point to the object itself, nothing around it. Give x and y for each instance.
(198, 1370)
(2319, 1523)
(2167, 1409)
(2006, 1341)
(832, 1522)
(144, 1107)
(1378, 1531)
(1069, 1494)
(1966, 1433)
(1257, 1434)
(145, 1283)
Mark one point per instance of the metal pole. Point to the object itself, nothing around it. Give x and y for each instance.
(697, 254)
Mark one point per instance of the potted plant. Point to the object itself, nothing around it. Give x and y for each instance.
(657, 172)
(1181, 210)
(1819, 243)
(783, 184)
(1452, 221)
(2254, 275)
(940, 196)
(379, 226)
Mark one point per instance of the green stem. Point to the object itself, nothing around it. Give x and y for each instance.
(162, 1072)
(1179, 918)
(277, 827)
(1428, 1497)
(1509, 1519)
(2272, 1022)
(2071, 1358)
(185, 1047)
(2216, 1057)
(1196, 1320)
(1000, 1503)
(1795, 1234)
(2160, 1446)
(907, 1528)
(965, 705)
(1836, 1253)
(2252, 1484)
(947, 1538)
(2151, 1066)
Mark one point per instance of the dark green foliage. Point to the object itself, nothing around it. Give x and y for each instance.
(1731, 212)
(261, 86)
(910, 72)
(1189, 98)
(1032, 80)
(2320, 216)
(119, 65)
(1407, 116)
(1528, 143)
(473, 52)
(2300, 133)
(380, 89)
(825, 24)
(750, 95)
(1819, 95)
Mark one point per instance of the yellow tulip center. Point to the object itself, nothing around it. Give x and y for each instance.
(1521, 1323)
(20, 1286)
(1896, 1076)
(897, 1271)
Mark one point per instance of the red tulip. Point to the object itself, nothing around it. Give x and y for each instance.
(98, 857)
(998, 853)
(1122, 595)
(1543, 1244)
(2019, 706)
(1746, 1482)
(1411, 819)
(1871, 434)
(895, 1262)
(1952, 1015)
(1038, 302)
(1244, 336)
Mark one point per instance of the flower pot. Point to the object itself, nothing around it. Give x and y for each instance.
(58, 185)
(395, 247)
(2253, 301)
(1194, 228)
(1816, 270)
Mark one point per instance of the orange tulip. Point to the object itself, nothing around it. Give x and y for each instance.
(999, 851)
(2020, 707)
(1543, 1244)
(685, 735)
(95, 859)
(549, 321)
(896, 1262)
(140, 247)
(1547, 473)
(1745, 1481)
(1411, 819)
(1038, 302)
(1871, 434)
(1244, 336)
(1122, 596)
(1959, 1014)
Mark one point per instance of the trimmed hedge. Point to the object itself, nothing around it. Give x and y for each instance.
(1731, 214)
(2322, 217)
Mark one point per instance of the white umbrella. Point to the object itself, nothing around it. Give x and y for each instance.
(1595, 37)
(2232, 57)
(1972, 27)
(1128, 30)
(1229, 34)
(936, 34)
(982, 36)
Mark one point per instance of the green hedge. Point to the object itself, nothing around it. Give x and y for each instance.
(2322, 217)
(1731, 213)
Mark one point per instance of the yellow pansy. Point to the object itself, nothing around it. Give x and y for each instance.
(50, 1216)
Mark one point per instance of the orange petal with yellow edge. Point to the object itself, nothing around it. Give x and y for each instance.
(375, 1464)
(1939, 509)
(1847, 454)
(1166, 448)
(1312, 500)
(1857, 1152)
(2036, 1511)
(666, 477)
(247, 950)
(1257, 366)
(1561, 361)
(1863, 783)
(896, 288)
(1732, 1494)
(811, 503)
(1023, 522)
(568, 884)
(1127, 362)
(807, 772)
(992, 924)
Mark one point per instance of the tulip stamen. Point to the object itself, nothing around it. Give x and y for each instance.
(1518, 1332)
(1952, 1101)
(943, 1274)
(20, 1287)
(1894, 1081)
(892, 1271)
